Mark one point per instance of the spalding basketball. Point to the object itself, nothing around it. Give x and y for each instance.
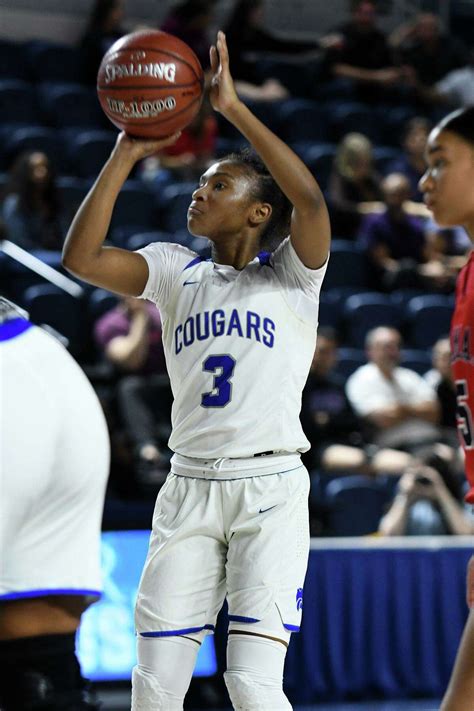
(150, 84)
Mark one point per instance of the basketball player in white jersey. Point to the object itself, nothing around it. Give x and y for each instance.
(239, 333)
(54, 466)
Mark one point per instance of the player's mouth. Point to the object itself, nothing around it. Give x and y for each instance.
(429, 202)
(193, 210)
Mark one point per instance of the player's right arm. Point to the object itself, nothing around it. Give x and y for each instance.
(84, 253)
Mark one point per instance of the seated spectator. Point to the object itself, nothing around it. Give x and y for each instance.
(247, 40)
(327, 416)
(354, 185)
(104, 27)
(31, 209)
(396, 245)
(423, 47)
(412, 163)
(189, 156)
(399, 407)
(363, 55)
(191, 21)
(456, 89)
(440, 378)
(447, 246)
(130, 338)
(428, 500)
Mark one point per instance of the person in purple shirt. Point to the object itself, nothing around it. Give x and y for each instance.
(130, 338)
(394, 239)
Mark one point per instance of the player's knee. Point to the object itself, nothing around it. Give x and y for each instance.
(147, 688)
(248, 692)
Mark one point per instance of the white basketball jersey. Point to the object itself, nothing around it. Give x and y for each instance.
(238, 346)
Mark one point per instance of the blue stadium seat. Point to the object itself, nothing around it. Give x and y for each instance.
(303, 120)
(383, 156)
(330, 311)
(72, 192)
(392, 121)
(39, 138)
(347, 266)
(346, 117)
(13, 61)
(428, 318)
(363, 312)
(349, 359)
(174, 206)
(47, 304)
(142, 239)
(89, 150)
(416, 359)
(101, 301)
(319, 159)
(135, 205)
(50, 61)
(355, 505)
(17, 102)
(70, 105)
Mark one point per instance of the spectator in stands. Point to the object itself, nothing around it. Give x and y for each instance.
(399, 407)
(31, 210)
(411, 162)
(191, 21)
(440, 378)
(104, 27)
(455, 89)
(327, 417)
(428, 500)
(394, 239)
(130, 338)
(354, 185)
(248, 40)
(363, 54)
(423, 47)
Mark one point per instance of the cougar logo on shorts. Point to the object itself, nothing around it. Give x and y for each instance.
(299, 599)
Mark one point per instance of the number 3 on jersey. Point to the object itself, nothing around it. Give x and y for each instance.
(222, 367)
(465, 427)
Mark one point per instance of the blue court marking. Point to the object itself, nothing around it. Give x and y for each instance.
(173, 633)
(49, 591)
(240, 618)
(264, 259)
(13, 328)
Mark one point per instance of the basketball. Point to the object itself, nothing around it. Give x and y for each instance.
(150, 84)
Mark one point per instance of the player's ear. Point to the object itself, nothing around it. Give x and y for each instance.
(260, 213)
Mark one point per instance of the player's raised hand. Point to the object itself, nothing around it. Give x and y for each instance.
(222, 91)
(134, 149)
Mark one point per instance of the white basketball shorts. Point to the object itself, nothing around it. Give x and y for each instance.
(246, 539)
(54, 468)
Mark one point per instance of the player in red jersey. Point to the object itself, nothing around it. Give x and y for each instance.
(448, 187)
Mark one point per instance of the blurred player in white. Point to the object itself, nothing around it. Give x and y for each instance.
(54, 469)
(448, 187)
(239, 333)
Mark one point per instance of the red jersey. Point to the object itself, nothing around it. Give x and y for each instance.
(462, 359)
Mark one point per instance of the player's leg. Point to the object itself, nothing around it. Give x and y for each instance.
(267, 560)
(181, 591)
(460, 693)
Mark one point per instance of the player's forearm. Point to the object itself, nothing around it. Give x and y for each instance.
(89, 227)
(290, 173)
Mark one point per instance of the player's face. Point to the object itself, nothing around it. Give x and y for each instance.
(222, 203)
(448, 183)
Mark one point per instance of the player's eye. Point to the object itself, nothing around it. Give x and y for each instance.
(219, 186)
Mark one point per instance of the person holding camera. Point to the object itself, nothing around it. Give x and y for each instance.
(428, 501)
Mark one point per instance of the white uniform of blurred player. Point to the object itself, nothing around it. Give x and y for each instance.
(54, 468)
(239, 334)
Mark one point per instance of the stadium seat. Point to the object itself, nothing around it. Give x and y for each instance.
(363, 312)
(13, 61)
(416, 359)
(47, 304)
(135, 205)
(329, 310)
(383, 156)
(428, 318)
(392, 121)
(175, 202)
(355, 504)
(346, 117)
(348, 360)
(50, 61)
(347, 266)
(303, 120)
(142, 239)
(89, 150)
(320, 159)
(17, 103)
(101, 301)
(72, 192)
(70, 105)
(38, 138)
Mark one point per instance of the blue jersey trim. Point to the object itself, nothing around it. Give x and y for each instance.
(48, 591)
(172, 633)
(291, 628)
(194, 261)
(13, 328)
(241, 618)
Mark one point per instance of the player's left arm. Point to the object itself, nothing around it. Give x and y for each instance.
(310, 228)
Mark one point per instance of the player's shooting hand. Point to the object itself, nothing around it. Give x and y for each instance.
(222, 92)
(135, 149)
